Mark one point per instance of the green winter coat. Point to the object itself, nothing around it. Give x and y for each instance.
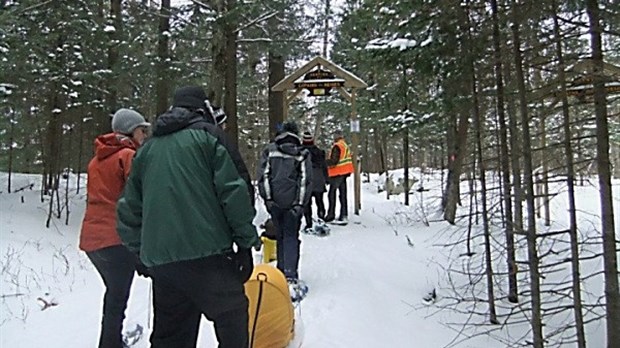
(185, 198)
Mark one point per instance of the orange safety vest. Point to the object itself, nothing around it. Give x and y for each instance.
(345, 163)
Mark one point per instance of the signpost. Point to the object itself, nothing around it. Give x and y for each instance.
(320, 78)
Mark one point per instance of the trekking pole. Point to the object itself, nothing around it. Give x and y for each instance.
(150, 305)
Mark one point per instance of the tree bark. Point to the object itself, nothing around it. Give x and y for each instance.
(485, 212)
(230, 74)
(162, 85)
(275, 99)
(570, 181)
(536, 317)
(112, 82)
(11, 141)
(610, 258)
(405, 86)
(504, 159)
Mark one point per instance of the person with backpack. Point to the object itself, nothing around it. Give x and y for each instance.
(185, 206)
(319, 178)
(107, 174)
(284, 183)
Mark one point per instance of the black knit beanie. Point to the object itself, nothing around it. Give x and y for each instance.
(190, 97)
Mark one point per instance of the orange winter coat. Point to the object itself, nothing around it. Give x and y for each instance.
(107, 174)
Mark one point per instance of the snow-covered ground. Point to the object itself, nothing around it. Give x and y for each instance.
(367, 280)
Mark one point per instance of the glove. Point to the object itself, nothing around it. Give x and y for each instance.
(297, 210)
(245, 263)
(269, 205)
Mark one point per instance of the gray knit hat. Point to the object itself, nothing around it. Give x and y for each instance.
(125, 121)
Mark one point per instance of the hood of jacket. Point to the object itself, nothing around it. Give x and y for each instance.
(288, 143)
(111, 143)
(175, 120)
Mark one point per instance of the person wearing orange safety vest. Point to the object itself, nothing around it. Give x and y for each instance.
(339, 167)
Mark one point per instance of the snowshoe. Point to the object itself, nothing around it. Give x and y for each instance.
(298, 289)
(131, 337)
(343, 221)
(308, 230)
(321, 229)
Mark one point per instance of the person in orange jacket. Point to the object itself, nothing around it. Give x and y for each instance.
(339, 168)
(107, 173)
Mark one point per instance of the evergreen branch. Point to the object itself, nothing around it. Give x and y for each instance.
(256, 20)
(261, 40)
(33, 7)
(587, 26)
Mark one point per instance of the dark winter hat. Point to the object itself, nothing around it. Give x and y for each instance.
(125, 121)
(338, 134)
(307, 138)
(290, 127)
(190, 97)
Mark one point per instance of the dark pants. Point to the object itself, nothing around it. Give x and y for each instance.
(318, 199)
(116, 266)
(287, 227)
(337, 183)
(185, 290)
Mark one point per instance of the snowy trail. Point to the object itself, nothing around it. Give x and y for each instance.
(366, 280)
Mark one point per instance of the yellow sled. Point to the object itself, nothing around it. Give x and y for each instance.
(271, 316)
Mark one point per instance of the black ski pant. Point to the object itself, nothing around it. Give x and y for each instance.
(337, 183)
(116, 266)
(185, 290)
(287, 226)
(320, 208)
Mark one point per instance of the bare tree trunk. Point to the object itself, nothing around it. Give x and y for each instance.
(68, 178)
(505, 160)
(570, 179)
(610, 257)
(113, 54)
(485, 212)
(378, 152)
(80, 155)
(326, 28)
(405, 86)
(455, 166)
(544, 192)
(515, 158)
(479, 128)
(11, 140)
(230, 74)
(276, 99)
(536, 318)
(162, 84)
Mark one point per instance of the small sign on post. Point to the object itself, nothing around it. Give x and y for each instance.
(355, 126)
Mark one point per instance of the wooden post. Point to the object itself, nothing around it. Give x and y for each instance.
(286, 104)
(354, 146)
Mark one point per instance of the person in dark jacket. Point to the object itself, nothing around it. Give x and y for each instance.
(284, 183)
(184, 207)
(319, 178)
(107, 174)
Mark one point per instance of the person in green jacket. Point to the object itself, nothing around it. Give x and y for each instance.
(184, 206)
